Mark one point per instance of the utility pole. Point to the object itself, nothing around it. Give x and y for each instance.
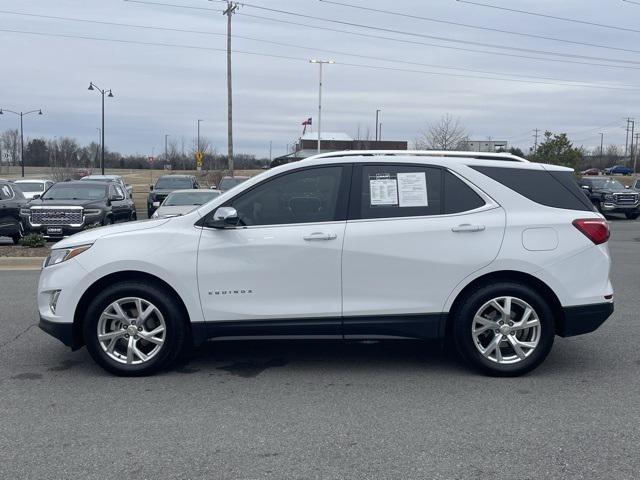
(635, 157)
(320, 63)
(626, 141)
(229, 11)
(601, 146)
(535, 145)
(380, 133)
(377, 124)
(633, 124)
(166, 154)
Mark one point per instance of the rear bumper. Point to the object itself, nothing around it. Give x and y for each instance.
(61, 331)
(582, 319)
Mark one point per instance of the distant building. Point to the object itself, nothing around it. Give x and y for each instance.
(485, 145)
(307, 146)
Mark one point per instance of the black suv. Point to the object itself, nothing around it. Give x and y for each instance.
(11, 201)
(610, 196)
(69, 207)
(165, 185)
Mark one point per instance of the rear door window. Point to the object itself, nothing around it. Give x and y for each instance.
(396, 190)
(549, 188)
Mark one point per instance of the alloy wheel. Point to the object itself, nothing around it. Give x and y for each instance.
(131, 331)
(506, 330)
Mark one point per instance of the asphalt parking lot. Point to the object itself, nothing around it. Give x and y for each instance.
(243, 410)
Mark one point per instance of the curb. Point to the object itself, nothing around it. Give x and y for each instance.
(21, 263)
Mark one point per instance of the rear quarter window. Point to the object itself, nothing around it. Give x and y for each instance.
(549, 188)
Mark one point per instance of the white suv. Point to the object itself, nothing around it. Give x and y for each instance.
(497, 253)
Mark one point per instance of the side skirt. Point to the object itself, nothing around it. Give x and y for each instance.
(420, 326)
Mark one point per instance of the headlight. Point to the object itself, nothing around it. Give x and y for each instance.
(609, 197)
(92, 212)
(59, 255)
(25, 211)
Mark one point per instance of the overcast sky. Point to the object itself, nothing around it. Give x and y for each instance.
(164, 89)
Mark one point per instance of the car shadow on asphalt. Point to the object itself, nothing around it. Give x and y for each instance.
(249, 358)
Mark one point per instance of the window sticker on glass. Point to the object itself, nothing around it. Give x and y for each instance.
(383, 190)
(412, 189)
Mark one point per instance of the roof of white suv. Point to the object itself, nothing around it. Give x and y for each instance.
(507, 157)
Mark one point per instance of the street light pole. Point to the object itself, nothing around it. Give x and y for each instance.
(601, 146)
(320, 63)
(21, 115)
(93, 86)
(199, 134)
(166, 155)
(377, 113)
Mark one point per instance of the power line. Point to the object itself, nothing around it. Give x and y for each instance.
(554, 17)
(476, 27)
(358, 65)
(307, 47)
(414, 34)
(448, 47)
(415, 42)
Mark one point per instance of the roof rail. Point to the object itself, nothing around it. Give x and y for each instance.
(507, 157)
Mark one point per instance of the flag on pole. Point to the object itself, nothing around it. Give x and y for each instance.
(306, 123)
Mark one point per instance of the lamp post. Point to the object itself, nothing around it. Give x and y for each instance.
(21, 114)
(166, 154)
(377, 114)
(93, 86)
(320, 63)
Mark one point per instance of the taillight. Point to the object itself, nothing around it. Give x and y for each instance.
(595, 229)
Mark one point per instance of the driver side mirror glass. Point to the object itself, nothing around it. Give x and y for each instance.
(224, 217)
(37, 196)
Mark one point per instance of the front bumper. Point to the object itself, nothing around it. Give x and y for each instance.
(61, 331)
(616, 208)
(581, 319)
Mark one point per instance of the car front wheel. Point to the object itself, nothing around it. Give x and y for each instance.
(505, 329)
(134, 329)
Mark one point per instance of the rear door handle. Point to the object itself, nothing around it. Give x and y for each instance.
(320, 236)
(467, 227)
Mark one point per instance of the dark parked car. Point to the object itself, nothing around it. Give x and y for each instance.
(591, 171)
(610, 196)
(11, 201)
(165, 185)
(618, 170)
(69, 207)
(227, 183)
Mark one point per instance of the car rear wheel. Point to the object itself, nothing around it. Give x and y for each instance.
(632, 216)
(505, 329)
(134, 329)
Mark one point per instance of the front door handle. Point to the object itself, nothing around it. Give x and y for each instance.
(467, 227)
(320, 236)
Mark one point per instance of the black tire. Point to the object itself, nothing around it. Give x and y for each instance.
(632, 216)
(19, 235)
(107, 221)
(133, 217)
(464, 314)
(174, 318)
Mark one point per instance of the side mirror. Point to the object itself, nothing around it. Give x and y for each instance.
(151, 188)
(115, 198)
(224, 217)
(37, 196)
(627, 187)
(213, 187)
(586, 187)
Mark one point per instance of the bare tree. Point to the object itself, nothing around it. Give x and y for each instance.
(447, 134)
(63, 158)
(11, 142)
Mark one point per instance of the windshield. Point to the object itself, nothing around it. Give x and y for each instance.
(609, 183)
(189, 198)
(173, 182)
(61, 191)
(30, 186)
(228, 183)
